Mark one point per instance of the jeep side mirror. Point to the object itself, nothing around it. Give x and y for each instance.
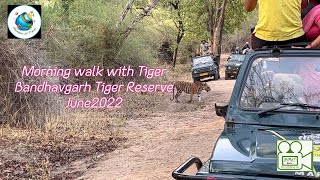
(221, 109)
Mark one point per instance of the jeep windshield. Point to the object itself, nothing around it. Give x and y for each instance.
(202, 60)
(239, 57)
(273, 82)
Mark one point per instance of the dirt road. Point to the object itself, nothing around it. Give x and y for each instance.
(159, 143)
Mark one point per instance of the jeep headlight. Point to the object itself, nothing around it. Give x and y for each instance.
(195, 71)
(229, 67)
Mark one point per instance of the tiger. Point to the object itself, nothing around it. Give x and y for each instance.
(189, 88)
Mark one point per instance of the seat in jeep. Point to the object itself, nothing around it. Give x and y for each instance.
(288, 88)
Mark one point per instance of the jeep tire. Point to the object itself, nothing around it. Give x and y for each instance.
(196, 79)
(216, 75)
(227, 76)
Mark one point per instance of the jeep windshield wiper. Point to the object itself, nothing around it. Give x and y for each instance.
(282, 105)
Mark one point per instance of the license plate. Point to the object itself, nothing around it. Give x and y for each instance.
(316, 153)
(204, 74)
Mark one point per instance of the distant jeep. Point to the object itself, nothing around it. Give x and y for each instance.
(233, 65)
(204, 67)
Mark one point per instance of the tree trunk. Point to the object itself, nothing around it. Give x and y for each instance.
(181, 31)
(179, 38)
(145, 12)
(175, 53)
(211, 20)
(210, 10)
(219, 29)
(125, 12)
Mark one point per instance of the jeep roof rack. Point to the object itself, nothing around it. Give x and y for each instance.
(285, 46)
(197, 56)
(276, 50)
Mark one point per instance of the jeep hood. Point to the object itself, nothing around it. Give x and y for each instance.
(234, 63)
(251, 150)
(201, 65)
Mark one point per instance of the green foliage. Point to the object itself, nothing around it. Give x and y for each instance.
(139, 48)
(242, 33)
(87, 35)
(195, 20)
(195, 16)
(235, 16)
(82, 33)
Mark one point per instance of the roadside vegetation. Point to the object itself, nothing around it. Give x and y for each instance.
(39, 138)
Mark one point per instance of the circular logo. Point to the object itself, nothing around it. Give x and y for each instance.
(24, 22)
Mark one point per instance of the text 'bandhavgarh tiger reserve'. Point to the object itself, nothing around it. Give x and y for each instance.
(101, 87)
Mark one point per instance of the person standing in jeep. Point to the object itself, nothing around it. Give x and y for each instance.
(279, 22)
(245, 48)
(204, 47)
(233, 47)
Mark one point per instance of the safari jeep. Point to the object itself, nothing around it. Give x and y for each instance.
(272, 122)
(204, 67)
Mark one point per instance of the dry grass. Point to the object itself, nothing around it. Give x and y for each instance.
(40, 154)
(137, 105)
(38, 137)
(74, 135)
(24, 109)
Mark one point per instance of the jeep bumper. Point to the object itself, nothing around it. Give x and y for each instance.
(204, 74)
(232, 72)
(203, 173)
(179, 172)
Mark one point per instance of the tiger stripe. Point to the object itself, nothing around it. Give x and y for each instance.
(189, 88)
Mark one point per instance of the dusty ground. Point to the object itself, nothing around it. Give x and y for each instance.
(52, 154)
(158, 143)
(146, 139)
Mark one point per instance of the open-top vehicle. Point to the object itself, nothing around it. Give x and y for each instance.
(204, 67)
(233, 65)
(276, 97)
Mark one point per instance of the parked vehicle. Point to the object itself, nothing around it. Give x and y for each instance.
(276, 98)
(204, 67)
(233, 65)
